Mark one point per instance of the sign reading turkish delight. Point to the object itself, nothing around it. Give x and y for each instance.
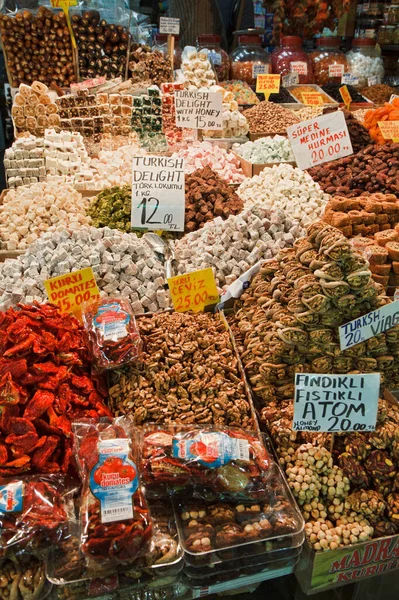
(198, 110)
(335, 403)
(365, 327)
(158, 198)
(320, 140)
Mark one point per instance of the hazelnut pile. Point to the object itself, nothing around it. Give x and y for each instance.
(38, 47)
(267, 117)
(102, 46)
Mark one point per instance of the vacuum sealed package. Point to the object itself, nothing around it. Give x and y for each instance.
(114, 515)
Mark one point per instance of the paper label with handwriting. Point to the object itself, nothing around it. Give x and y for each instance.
(349, 79)
(193, 291)
(69, 291)
(290, 79)
(389, 130)
(312, 99)
(169, 26)
(336, 70)
(199, 109)
(345, 95)
(300, 67)
(268, 84)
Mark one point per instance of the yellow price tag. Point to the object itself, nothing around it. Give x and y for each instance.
(389, 130)
(69, 291)
(312, 98)
(65, 4)
(193, 291)
(268, 84)
(345, 95)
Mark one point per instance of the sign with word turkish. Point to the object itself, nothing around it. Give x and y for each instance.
(290, 79)
(169, 26)
(373, 80)
(198, 110)
(349, 79)
(389, 130)
(158, 198)
(368, 326)
(259, 69)
(320, 140)
(268, 84)
(335, 402)
(193, 291)
(69, 291)
(312, 98)
(345, 95)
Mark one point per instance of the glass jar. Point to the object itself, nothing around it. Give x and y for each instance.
(217, 56)
(328, 61)
(290, 58)
(161, 44)
(393, 14)
(249, 59)
(365, 60)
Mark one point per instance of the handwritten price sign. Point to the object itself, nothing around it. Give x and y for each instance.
(345, 95)
(268, 84)
(312, 99)
(69, 291)
(193, 291)
(389, 130)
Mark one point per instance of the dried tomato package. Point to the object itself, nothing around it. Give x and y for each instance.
(33, 512)
(227, 461)
(115, 520)
(113, 335)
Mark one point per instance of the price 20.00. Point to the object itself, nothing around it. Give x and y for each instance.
(320, 154)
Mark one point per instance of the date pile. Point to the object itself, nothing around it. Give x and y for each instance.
(188, 373)
(45, 383)
(288, 318)
(349, 495)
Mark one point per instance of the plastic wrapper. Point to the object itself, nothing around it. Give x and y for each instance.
(33, 512)
(114, 515)
(112, 332)
(225, 461)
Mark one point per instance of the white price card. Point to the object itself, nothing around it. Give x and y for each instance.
(290, 79)
(259, 69)
(199, 110)
(349, 79)
(392, 98)
(373, 80)
(169, 26)
(335, 402)
(158, 198)
(365, 327)
(320, 140)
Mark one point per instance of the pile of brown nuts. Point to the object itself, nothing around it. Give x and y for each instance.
(38, 47)
(102, 46)
(208, 196)
(379, 93)
(188, 373)
(267, 117)
(373, 169)
(149, 66)
(22, 577)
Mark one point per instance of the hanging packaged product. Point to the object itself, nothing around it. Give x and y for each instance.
(226, 461)
(115, 521)
(110, 325)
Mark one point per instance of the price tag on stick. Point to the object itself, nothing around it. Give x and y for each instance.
(389, 130)
(69, 291)
(169, 26)
(320, 140)
(193, 291)
(335, 402)
(312, 98)
(345, 95)
(199, 110)
(268, 84)
(158, 198)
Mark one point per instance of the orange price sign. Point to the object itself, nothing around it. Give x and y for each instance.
(268, 84)
(389, 130)
(69, 291)
(312, 98)
(345, 95)
(193, 291)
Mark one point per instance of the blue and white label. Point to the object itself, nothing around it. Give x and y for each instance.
(211, 450)
(368, 326)
(112, 320)
(114, 480)
(349, 79)
(215, 57)
(12, 497)
(258, 69)
(373, 80)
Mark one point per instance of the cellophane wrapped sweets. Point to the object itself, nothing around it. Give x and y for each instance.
(225, 461)
(112, 332)
(114, 515)
(34, 512)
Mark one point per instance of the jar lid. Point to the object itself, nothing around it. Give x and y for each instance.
(361, 42)
(291, 40)
(329, 42)
(208, 38)
(249, 39)
(163, 37)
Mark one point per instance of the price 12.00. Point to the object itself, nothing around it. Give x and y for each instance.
(149, 208)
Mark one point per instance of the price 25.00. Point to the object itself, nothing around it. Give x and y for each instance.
(200, 298)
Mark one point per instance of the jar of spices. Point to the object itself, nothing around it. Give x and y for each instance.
(289, 57)
(249, 60)
(329, 62)
(365, 60)
(217, 56)
(393, 14)
(161, 44)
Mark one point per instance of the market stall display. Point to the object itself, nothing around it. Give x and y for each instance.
(365, 60)
(113, 167)
(379, 93)
(328, 61)
(196, 69)
(198, 155)
(34, 109)
(299, 92)
(388, 112)
(332, 89)
(243, 93)
(266, 150)
(268, 118)
(218, 57)
(148, 67)
(289, 57)
(248, 59)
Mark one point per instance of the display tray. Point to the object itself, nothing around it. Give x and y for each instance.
(251, 169)
(315, 88)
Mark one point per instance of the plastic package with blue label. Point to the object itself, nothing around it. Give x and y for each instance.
(221, 461)
(114, 515)
(113, 337)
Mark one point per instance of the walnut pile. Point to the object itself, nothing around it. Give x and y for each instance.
(287, 320)
(188, 373)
